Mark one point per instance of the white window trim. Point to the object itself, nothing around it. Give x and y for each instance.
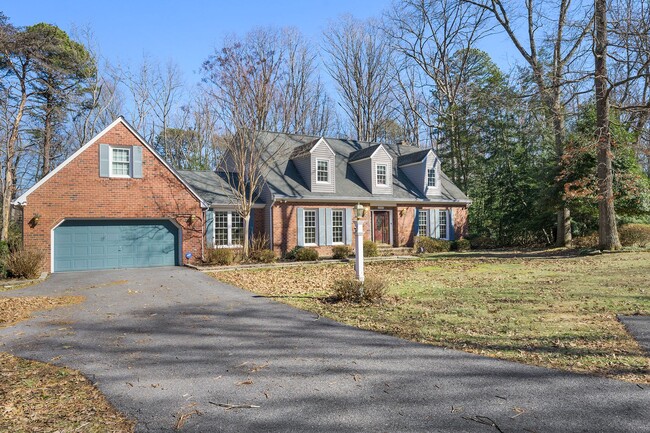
(342, 226)
(377, 174)
(427, 230)
(110, 162)
(315, 227)
(329, 174)
(229, 233)
(435, 177)
(446, 213)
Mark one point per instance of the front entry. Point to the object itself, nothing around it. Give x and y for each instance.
(381, 226)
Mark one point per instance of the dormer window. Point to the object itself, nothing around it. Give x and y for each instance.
(431, 177)
(381, 174)
(322, 171)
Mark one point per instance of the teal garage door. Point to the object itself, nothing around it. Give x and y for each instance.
(81, 245)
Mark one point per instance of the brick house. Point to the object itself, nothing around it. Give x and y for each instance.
(312, 184)
(116, 203)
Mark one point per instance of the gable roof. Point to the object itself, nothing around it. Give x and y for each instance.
(23, 197)
(285, 182)
(307, 148)
(414, 157)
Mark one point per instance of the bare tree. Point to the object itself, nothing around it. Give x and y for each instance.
(571, 23)
(435, 43)
(359, 63)
(164, 94)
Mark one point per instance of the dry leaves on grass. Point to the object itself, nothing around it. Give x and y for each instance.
(38, 397)
(14, 310)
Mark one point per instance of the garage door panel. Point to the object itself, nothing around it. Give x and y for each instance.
(106, 244)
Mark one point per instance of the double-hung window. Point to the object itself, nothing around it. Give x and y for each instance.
(337, 226)
(120, 162)
(322, 170)
(423, 226)
(381, 174)
(228, 229)
(442, 224)
(431, 177)
(310, 227)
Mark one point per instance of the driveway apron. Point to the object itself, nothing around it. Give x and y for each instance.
(167, 343)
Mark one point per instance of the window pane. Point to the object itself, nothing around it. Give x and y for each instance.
(422, 223)
(442, 226)
(310, 226)
(237, 226)
(322, 171)
(431, 177)
(337, 226)
(221, 228)
(381, 175)
(120, 162)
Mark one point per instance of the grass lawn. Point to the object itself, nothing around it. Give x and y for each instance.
(557, 312)
(39, 397)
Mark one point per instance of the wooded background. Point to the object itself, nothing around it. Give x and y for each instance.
(557, 147)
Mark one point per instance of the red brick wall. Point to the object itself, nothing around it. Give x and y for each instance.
(285, 225)
(77, 191)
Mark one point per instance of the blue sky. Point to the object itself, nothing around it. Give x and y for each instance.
(185, 31)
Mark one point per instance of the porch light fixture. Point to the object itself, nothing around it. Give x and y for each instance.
(360, 211)
(35, 219)
(191, 219)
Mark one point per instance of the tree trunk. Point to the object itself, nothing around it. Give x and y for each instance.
(563, 238)
(47, 136)
(247, 235)
(607, 232)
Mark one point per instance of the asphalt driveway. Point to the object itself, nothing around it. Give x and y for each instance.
(167, 341)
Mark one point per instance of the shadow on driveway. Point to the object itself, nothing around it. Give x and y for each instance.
(168, 341)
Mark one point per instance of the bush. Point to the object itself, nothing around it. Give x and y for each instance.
(4, 254)
(482, 243)
(219, 256)
(341, 252)
(306, 255)
(461, 245)
(291, 254)
(348, 290)
(262, 256)
(370, 249)
(635, 235)
(24, 264)
(586, 241)
(429, 245)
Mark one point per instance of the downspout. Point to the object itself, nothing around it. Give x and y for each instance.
(271, 223)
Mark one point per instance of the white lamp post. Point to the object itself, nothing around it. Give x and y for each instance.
(358, 253)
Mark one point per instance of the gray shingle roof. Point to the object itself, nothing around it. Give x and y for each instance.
(284, 181)
(364, 153)
(212, 187)
(413, 157)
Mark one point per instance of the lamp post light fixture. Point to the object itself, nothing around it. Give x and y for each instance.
(358, 253)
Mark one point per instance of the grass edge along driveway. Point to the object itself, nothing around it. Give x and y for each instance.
(557, 312)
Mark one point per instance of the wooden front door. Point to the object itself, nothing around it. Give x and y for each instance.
(381, 226)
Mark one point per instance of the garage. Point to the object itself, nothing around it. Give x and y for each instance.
(81, 245)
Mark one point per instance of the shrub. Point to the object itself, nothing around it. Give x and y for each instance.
(348, 290)
(291, 254)
(306, 255)
(637, 235)
(370, 249)
(429, 245)
(461, 245)
(24, 264)
(219, 256)
(482, 243)
(341, 252)
(4, 253)
(586, 241)
(263, 256)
